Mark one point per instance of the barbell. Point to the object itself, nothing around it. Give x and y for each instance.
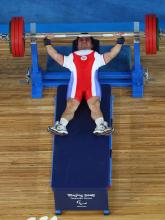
(17, 35)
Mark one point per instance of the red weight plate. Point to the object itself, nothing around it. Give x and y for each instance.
(154, 34)
(16, 43)
(21, 37)
(19, 29)
(147, 34)
(151, 34)
(17, 36)
(15, 48)
(13, 36)
(150, 31)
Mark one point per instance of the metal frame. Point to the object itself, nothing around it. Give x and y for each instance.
(41, 79)
(36, 73)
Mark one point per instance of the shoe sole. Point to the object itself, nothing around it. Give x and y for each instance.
(55, 132)
(107, 132)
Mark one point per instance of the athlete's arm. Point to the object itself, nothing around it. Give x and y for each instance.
(59, 58)
(108, 56)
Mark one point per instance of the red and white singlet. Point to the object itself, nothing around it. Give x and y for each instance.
(84, 65)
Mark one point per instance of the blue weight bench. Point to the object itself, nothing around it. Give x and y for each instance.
(82, 162)
(81, 169)
(120, 72)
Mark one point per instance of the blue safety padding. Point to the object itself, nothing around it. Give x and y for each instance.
(121, 63)
(81, 159)
(83, 27)
(74, 12)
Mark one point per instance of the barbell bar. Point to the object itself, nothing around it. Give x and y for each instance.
(53, 35)
(17, 35)
(110, 34)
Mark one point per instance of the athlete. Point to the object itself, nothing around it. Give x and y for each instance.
(83, 65)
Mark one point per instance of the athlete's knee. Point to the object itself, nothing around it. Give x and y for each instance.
(94, 104)
(71, 106)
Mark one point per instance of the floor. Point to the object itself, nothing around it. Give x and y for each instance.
(138, 190)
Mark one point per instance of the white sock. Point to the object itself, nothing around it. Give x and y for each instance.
(54, 218)
(99, 121)
(64, 121)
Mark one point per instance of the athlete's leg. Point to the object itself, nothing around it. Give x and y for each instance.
(94, 105)
(68, 114)
(97, 115)
(71, 107)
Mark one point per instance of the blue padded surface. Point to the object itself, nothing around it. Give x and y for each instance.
(81, 159)
(54, 11)
(121, 63)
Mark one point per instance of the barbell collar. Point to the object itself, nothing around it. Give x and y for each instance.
(162, 34)
(4, 36)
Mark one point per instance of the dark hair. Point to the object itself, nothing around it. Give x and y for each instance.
(95, 43)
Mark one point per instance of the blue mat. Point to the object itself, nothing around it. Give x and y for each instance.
(81, 159)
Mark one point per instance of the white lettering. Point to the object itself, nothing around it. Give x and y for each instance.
(43, 218)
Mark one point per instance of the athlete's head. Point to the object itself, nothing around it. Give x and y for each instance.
(85, 43)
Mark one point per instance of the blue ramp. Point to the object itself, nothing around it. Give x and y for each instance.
(81, 171)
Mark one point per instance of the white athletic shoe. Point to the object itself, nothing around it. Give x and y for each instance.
(44, 218)
(103, 129)
(58, 129)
